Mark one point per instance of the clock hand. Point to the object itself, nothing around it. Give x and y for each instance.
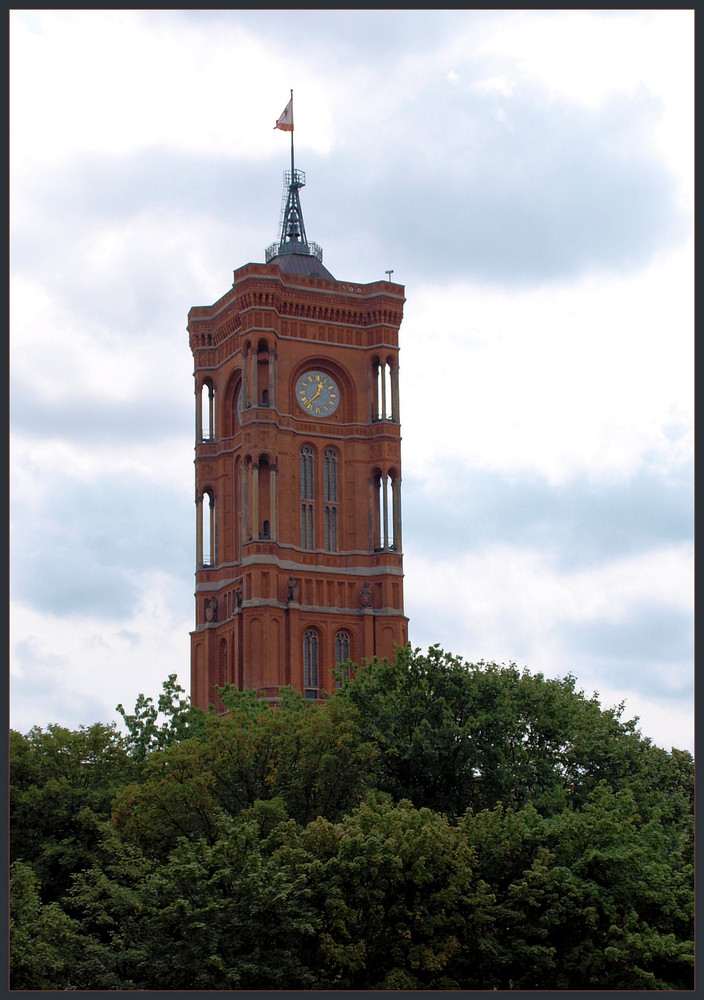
(316, 395)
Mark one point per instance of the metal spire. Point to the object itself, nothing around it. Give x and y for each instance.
(292, 234)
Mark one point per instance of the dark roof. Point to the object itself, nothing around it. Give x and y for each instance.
(304, 264)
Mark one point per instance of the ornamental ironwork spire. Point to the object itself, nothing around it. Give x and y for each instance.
(292, 235)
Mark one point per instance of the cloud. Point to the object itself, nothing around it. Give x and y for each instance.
(37, 670)
(524, 190)
(83, 548)
(526, 183)
(574, 524)
(622, 626)
(592, 377)
(527, 175)
(646, 649)
(74, 669)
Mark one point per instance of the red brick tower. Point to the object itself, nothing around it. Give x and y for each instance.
(298, 473)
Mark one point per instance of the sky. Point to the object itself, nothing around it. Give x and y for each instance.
(527, 176)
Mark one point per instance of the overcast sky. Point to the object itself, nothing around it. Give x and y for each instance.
(527, 175)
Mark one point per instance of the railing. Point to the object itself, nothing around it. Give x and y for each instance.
(295, 179)
(309, 249)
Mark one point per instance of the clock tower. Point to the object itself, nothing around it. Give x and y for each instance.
(297, 472)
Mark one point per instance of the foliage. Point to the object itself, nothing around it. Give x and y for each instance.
(47, 949)
(453, 736)
(221, 915)
(591, 898)
(311, 758)
(181, 720)
(435, 825)
(393, 886)
(62, 785)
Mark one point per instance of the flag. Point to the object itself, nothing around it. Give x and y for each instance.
(285, 119)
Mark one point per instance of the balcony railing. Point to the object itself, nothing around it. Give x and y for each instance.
(293, 246)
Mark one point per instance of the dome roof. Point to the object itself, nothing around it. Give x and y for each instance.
(305, 264)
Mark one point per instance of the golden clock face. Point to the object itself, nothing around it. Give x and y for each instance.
(317, 394)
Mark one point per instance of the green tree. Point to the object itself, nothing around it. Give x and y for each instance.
(62, 785)
(393, 885)
(222, 915)
(453, 736)
(179, 720)
(434, 825)
(591, 898)
(312, 758)
(47, 948)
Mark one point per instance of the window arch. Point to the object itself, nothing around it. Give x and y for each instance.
(262, 373)
(311, 664)
(385, 396)
(385, 509)
(222, 664)
(230, 411)
(330, 494)
(205, 528)
(205, 411)
(307, 470)
(342, 655)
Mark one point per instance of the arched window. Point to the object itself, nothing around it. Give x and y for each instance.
(385, 399)
(342, 655)
(307, 495)
(266, 497)
(222, 664)
(385, 509)
(205, 415)
(330, 498)
(205, 530)
(311, 672)
(261, 373)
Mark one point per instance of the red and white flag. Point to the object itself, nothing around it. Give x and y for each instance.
(285, 119)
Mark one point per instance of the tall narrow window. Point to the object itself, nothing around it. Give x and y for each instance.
(310, 664)
(261, 373)
(222, 664)
(206, 529)
(342, 655)
(385, 381)
(330, 499)
(206, 415)
(307, 495)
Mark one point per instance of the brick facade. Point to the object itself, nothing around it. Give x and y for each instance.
(299, 559)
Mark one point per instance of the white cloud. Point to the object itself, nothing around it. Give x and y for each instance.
(510, 604)
(125, 80)
(590, 56)
(87, 660)
(587, 380)
(591, 376)
(37, 464)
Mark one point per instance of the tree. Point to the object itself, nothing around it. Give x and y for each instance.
(434, 825)
(393, 885)
(47, 949)
(312, 758)
(62, 785)
(590, 898)
(222, 915)
(181, 719)
(453, 735)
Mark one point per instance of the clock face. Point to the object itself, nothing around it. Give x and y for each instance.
(317, 394)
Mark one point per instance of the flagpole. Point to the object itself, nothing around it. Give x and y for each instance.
(292, 170)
